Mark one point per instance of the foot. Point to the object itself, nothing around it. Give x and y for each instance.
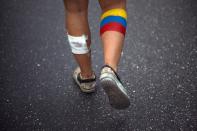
(113, 87)
(86, 85)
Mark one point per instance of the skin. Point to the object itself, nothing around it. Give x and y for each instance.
(76, 12)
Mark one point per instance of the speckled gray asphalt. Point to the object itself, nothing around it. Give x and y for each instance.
(158, 68)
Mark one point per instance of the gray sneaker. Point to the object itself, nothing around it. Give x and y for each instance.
(86, 85)
(113, 87)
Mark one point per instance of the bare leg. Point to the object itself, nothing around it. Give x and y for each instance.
(76, 12)
(112, 40)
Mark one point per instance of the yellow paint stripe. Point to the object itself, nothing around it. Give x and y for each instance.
(115, 12)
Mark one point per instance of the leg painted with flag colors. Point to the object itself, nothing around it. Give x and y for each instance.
(112, 31)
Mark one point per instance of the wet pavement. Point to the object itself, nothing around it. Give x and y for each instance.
(158, 66)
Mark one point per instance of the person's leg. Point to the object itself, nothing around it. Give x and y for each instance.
(112, 39)
(76, 12)
(112, 31)
(79, 38)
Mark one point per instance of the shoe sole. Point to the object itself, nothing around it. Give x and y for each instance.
(87, 90)
(117, 98)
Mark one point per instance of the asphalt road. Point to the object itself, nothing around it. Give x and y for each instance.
(158, 68)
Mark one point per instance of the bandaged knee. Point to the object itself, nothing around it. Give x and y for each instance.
(114, 20)
(78, 44)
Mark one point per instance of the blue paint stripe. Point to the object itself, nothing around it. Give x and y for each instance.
(109, 19)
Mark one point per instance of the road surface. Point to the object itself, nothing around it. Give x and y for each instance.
(158, 68)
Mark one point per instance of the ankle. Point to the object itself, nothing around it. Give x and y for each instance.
(114, 67)
(87, 75)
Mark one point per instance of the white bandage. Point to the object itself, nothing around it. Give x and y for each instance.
(78, 44)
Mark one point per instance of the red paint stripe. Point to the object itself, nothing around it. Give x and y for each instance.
(113, 26)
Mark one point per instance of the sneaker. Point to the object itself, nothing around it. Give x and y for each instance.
(86, 85)
(113, 87)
